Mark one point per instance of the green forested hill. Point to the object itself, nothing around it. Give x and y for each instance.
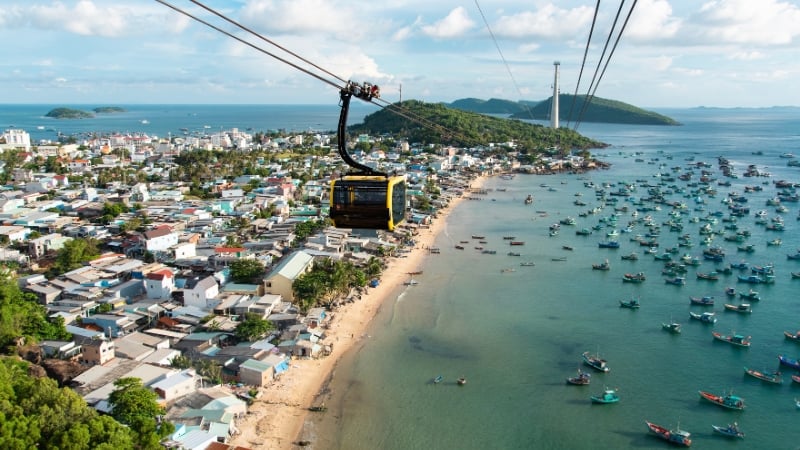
(599, 110)
(441, 124)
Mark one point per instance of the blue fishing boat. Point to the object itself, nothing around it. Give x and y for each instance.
(789, 362)
(702, 301)
(732, 430)
(608, 244)
(608, 396)
(706, 317)
(769, 377)
(632, 303)
(438, 379)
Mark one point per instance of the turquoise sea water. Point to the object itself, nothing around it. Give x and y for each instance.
(518, 335)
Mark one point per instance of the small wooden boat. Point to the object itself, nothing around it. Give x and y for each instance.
(795, 275)
(797, 403)
(789, 362)
(706, 317)
(710, 276)
(459, 247)
(514, 254)
(792, 336)
(608, 244)
(677, 281)
(508, 270)
(517, 243)
(632, 303)
(438, 379)
(676, 436)
(608, 396)
(702, 301)
(595, 362)
(563, 258)
(581, 379)
(631, 257)
(602, 266)
(672, 327)
(732, 430)
(475, 236)
(730, 291)
(527, 264)
(318, 408)
(735, 339)
(750, 295)
(461, 381)
(796, 378)
(742, 308)
(633, 277)
(566, 247)
(729, 401)
(509, 238)
(769, 377)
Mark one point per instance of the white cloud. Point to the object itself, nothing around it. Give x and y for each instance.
(455, 24)
(316, 17)
(84, 18)
(547, 22)
(747, 56)
(651, 20)
(762, 22)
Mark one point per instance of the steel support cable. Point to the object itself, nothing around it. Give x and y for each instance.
(585, 104)
(583, 63)
(613, 48)
(396, 109)
(502, 57)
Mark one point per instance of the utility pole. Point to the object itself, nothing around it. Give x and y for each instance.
(554, 106)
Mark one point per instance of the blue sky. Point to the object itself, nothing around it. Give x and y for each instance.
(681, 53)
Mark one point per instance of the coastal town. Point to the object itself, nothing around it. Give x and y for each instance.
(156, 262)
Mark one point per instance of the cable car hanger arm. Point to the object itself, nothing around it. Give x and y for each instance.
(366, 92)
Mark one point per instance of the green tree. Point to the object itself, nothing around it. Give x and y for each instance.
(22, 316)
(74, 253)
(246, 270)
(253, 327)
(136, 406)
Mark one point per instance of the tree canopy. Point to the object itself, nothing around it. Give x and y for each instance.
(36, 413)
(74, 254)
(253, 327)
(245, 270)
(22, 316)
(136, 406)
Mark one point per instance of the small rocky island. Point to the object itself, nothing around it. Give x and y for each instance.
(108, 110)
(69, 113)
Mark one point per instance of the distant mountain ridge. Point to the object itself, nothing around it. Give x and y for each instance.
(599, 110)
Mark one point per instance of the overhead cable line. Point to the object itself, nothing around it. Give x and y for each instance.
(583, 63)
(510, 74)
(396, 109)
(592, 91)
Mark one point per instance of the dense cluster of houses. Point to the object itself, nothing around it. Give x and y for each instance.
(131, 316)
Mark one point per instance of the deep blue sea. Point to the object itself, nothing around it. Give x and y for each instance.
(518, 335)
(177, 120)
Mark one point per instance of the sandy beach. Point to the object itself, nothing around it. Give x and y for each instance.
(275, 420)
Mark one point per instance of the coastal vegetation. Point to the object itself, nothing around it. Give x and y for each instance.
(599, 110)
(450, 126)
(69, 113)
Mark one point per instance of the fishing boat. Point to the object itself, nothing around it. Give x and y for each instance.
(796, 378)
(789, 362)
(438, 379)
(517, 243)
(752, 279)
(730, 291)
(710, 276)
(567, 247)
(514, 254)
(608, 396)
(795, 275)
(581, 379)
(769, 377)
(595, 362)
(602, 266)
(630, 257)
(583, 232)
(632, 303)
(461, 381)
(729, 401)
(459, 247)
(676, 436)
(792, 336)
(706, 317)
(735, 339)
(774, 242)
(750, 295)
(633, 277)
(527, 264)
(561, 258)
(741, 308)
(411, 282)
(529, 199)
(703, 301)
(672, 327)
(608, 244)
(509, 238)
(677, 281)
(797, 403)
(732, 430)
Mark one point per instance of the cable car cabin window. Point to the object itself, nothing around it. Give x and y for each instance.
(368, 203)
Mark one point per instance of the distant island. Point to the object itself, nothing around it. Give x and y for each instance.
(69, 113)
(599, 110)
(108, 109)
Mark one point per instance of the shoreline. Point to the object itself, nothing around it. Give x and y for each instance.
(275, 420)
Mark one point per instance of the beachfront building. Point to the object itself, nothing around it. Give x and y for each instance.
(280, 280)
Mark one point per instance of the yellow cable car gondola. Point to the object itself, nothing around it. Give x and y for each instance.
(366, 198)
